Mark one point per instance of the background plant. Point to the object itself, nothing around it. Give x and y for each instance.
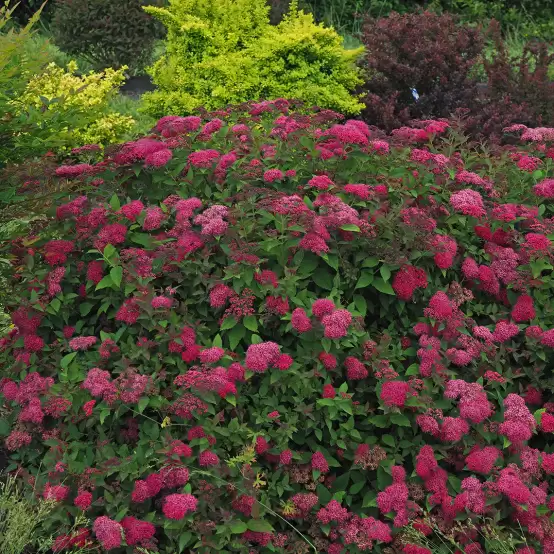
(107, 34)
(418, 65)
(19, 519)
(88, 96)
(219, 53)
(434, 66)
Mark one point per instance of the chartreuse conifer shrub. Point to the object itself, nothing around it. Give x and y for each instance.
(220, 52)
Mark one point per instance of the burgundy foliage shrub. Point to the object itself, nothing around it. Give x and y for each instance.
(259, 330)
(519, 88)
(435, 57)
(424, 51)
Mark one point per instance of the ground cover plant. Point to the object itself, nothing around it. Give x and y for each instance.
(260, 331)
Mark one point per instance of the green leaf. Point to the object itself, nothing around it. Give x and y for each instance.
(350, 227)
(365, 280)
(370, 500)
(260, 525)
(400, 419)
(236, 335)
(115, 204)
(383, 478)
(256, 339)
(412, 370)
(388, 440)
(383, 287)
(4, 427)
(357, 487)
(360, 303)
(67, 359)
(103, 414)
(238, 527)
(332, 260)
(142, 403)
(228, 323)
(183, 540)
(322, 278)
(217, 341)
(307, 264)
(116, 273)
(231, 399)
(380, 421)
(144, 239)
(323, 494)
(109, 251)
(538, 266)
(340, 483)
(385, 272)
(85, 308)
(370, 262)
(538, 415)
(250, 322)
(105, 282)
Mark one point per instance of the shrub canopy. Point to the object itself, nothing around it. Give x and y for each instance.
(85, 98)
(259, 330)
(219, 52)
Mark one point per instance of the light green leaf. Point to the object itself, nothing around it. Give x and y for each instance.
(383, 287)
(116, 273)
(238, 527)
(385, 272)
(260, 525)
(250, 322)
(400, 419)
(114, 203)
(236, 335)
(351, 227)
(105, 282)
(365, 280)
(370, 262)
(67, 359)
(228, 323)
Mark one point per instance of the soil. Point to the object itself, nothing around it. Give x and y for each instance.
(4, 460)
(137, 86)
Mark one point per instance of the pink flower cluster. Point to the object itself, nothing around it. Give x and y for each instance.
(519, 423)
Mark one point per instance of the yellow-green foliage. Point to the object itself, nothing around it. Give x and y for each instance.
(88, 96)
(225, 51)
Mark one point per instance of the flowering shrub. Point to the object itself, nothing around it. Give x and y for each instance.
(261, 331)
(86, 96)
(230, 53)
